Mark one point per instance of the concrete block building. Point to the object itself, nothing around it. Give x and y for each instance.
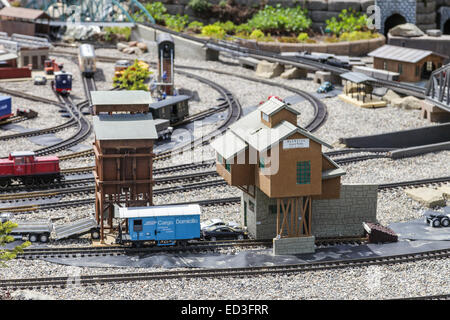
(288, 183)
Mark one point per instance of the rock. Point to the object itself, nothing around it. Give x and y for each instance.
(407, 103)
(269, 70)
(132, 43)
(30, 295)
(142, 46)
(137, 51)
(390, 95)
(128, 50)
(80, 32)
(427, 196)
(294, 73)
(445, 191)
(121, 46)
(406, 30)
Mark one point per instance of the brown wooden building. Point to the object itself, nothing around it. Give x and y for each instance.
(413, 65)
(24, 21)
(268, 156)
(133, 101)
(123, 172)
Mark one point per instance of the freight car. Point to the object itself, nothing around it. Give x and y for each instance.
(86, 59)
(174, 108)
(324, 59)
(25, 167)
(62, 83)
(5, 107)
(160, 225)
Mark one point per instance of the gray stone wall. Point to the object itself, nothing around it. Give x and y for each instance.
(293, 245)
(344, 216)
(330, 218)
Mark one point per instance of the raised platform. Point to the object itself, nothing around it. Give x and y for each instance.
(299, 245)
(362, 104)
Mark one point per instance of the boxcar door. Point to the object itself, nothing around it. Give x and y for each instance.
(165, 229)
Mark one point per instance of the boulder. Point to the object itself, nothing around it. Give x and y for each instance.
(294, 73)
(132, 43)
(445, 191)
(269, 70)
(406, 30)
(121, 46)
(142, 46)
(390, 95)
(407, 103)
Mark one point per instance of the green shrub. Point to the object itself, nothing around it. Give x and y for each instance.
(243, 29)
(257, 34)
(177, 23)
(213, 31)
(302, 37)
(113, 33)
(348, 21)
(157, 10)
(133, 77)
(229, 26)
(199, 5)
(195, 26)
(223, 3)
(357, 35)
(278, 19)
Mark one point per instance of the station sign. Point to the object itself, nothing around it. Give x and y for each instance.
(295, 143)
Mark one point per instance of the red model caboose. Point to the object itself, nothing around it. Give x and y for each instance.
(24, 166)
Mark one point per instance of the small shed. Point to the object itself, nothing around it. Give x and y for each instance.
(358, 91)
(24, 21)
(8, 59)
(121, 101)
(413, 65)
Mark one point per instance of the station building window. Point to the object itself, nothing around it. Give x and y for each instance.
(304, 172)
(265, 117)
(400, 68)
(228, 166)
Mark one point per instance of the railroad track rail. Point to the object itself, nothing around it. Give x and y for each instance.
(13, 119)
(433, 297)
(223, 272)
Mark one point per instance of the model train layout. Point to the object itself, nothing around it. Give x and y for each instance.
(206, 151)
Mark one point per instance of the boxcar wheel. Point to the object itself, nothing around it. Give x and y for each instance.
(95, 234)
(435, 223)
(445, 222)
(4, 184)
(43, 238)
(240, 237)
(33, 238)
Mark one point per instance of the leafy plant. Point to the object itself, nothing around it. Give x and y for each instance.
(228, 26)
(213, 31)
(243, 29)
(281, 20)
(257, 34)
(302, 37)
(199, 5)
(177, 23)
(348, 21)
(156, 10)
(133, 77)
(113, 33)
(195, 26)
(5, 255)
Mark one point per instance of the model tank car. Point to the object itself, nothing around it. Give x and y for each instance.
(25, 167)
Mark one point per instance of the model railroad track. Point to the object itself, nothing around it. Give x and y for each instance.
(194, 246)
(83, 131)
(91, 201)
(433, 297)
(90, 189)
(209, 202)
(88, 85)
(224, 272)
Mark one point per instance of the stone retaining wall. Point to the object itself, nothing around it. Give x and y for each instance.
(354, 48)
(293, 245)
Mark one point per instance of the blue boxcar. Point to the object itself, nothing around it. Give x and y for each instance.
(166, 225)
(5, 107)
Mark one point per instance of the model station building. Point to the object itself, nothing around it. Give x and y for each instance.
(292, 191)
(413, 65)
